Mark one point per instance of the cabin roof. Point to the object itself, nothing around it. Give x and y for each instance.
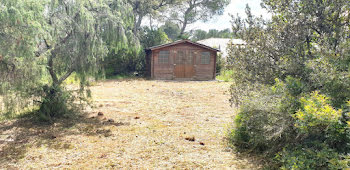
(179, 42)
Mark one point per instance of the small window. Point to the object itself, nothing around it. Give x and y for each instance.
(205, 58)
(163, 57)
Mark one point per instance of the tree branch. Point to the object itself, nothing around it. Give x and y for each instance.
(64, 77)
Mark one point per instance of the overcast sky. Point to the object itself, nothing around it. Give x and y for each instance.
(223, 21)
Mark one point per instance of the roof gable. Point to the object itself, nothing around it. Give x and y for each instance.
(180, 42)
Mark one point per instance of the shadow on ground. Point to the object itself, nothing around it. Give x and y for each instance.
(18, 136)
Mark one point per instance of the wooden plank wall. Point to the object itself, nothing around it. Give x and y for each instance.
(166, 71)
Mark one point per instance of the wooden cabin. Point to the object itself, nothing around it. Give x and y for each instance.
(181, 60)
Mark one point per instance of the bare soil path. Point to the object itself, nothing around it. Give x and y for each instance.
(142, 125)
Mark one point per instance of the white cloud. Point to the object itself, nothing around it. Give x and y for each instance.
(235, 7)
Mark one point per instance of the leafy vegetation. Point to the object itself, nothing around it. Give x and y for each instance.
(212, 33)
(291, 84)
(54, 40)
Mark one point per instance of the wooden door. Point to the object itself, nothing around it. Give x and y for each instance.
(189, 60)
(184, 64)
(179, 64)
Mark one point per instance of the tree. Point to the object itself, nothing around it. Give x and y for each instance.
(212, 33)
(142, 8)
(199, 35)
(20, 24)
(73, 40)
(190, 11)
(171, 29)
(151, 37)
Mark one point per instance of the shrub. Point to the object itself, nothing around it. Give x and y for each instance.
(304, 131)
(312, 156)
(57, 102)
(260, 126)
(225, 75)
(316, 115)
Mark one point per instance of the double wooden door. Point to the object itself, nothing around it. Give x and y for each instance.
(184, 64)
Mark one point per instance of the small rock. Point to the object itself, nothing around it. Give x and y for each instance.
(99, 114)
(137, 117)
(52, 137)
(192, 139)
(227, 149)
(201, 143)
(110, 120)
(103, 156)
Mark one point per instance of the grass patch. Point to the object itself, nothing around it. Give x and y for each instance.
(27, 112)
(225, 75)
(121, 77)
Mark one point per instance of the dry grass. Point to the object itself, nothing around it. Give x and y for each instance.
(145, 125)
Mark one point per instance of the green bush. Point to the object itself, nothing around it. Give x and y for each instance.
(312, 156)
(260, 125)
(225, 75)
(57, 102)
(316, 115)
(281, 119)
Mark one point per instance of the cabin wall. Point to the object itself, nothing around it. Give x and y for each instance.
(167, 71)
(148, 69)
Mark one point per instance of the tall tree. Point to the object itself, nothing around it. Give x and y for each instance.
(21, 23)
(73, 40)
(142, 8)
(189, 11)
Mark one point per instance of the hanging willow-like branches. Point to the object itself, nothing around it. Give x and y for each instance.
(46, 42)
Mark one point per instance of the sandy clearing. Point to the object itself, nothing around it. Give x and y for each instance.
(151, 120)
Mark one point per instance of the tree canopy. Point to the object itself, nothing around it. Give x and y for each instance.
(212, 33)
(58, 38)
(291, 83)
(189, 11)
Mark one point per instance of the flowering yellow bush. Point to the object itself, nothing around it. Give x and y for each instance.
(316, 113)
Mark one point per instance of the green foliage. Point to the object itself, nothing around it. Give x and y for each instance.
(45, 42)
(153, 37)
(225, 75)
(172, 30)
(316, 115)
(189, 11)
(21, 23)
(220, 63)
(55, 103)
(143, 8)
(282, 77)
(123, 61)
(262, 124)
(212, 33)
(312, 156)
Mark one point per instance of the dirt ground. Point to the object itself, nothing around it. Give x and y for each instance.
(142, 125)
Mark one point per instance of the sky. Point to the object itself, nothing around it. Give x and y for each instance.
(223, 21)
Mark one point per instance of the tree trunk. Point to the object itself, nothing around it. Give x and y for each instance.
(185, 22)
(137, 24)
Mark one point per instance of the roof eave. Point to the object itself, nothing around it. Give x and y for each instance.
(181, 41)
